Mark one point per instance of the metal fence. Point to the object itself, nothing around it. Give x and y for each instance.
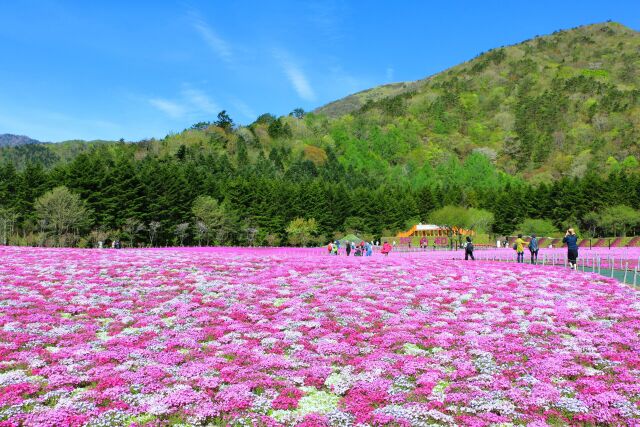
(623, 269)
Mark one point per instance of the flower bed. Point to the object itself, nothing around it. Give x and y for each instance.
(259, 337)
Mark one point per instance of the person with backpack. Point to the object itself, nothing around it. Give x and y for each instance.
(358, 251)
(533, 248)
(571, 240)
(519, 247)
(347, 248)
(468, 249)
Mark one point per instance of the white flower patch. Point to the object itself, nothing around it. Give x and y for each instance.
(571, 404)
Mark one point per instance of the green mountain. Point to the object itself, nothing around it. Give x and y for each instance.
(553, 106)
(548, 107)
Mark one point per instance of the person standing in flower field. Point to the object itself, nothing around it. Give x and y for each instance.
(571, 240)
(347, 248)
(386, 248)
(358, 251)
(330, 248)
(468, 249)
(533, 248)
(519, 247)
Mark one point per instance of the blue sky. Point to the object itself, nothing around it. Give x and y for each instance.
(141, 69)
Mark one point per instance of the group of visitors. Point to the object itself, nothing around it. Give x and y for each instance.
(361, 249)
(115, 244)
(570, 239)
(366, 248)
(519, 245)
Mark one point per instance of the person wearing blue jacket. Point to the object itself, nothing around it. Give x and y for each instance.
(533, 248)
(368, 249)
(571, 240)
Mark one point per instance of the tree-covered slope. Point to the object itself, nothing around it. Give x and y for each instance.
(551, 106)
(10, 140)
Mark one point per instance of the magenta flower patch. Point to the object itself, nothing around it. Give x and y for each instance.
(275, 337)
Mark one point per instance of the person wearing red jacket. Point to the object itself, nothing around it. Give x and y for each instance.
(386, 248)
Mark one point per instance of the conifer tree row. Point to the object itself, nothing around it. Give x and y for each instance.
(265, 197)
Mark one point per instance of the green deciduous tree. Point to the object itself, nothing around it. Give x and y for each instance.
(8, 219)
(62, 212)
(480, 220)
(218, 218)
(181, 231)
(540, 227)
(300, 231)
(591, 221)
(618, 219)
(451, 216)
(152, 229)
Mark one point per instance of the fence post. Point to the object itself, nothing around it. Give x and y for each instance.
(624, 278)
(635, 274)
(544, 257)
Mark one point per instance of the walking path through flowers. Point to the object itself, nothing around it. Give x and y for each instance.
(259, 337)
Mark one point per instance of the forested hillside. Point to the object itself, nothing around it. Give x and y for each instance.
(547, 129)
(9, 140)
(552, 106)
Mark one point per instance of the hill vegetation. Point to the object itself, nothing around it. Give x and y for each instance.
(549, 107)
(546, 129)
(10, 140)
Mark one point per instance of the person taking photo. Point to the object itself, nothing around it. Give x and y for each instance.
(571, 240)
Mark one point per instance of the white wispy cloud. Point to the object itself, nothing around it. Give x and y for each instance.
(170, 108)
(244, 109)
(189, 103)
(296, 76)
(200, 101)
(219, 46)
(390, 73)
(340, 82)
